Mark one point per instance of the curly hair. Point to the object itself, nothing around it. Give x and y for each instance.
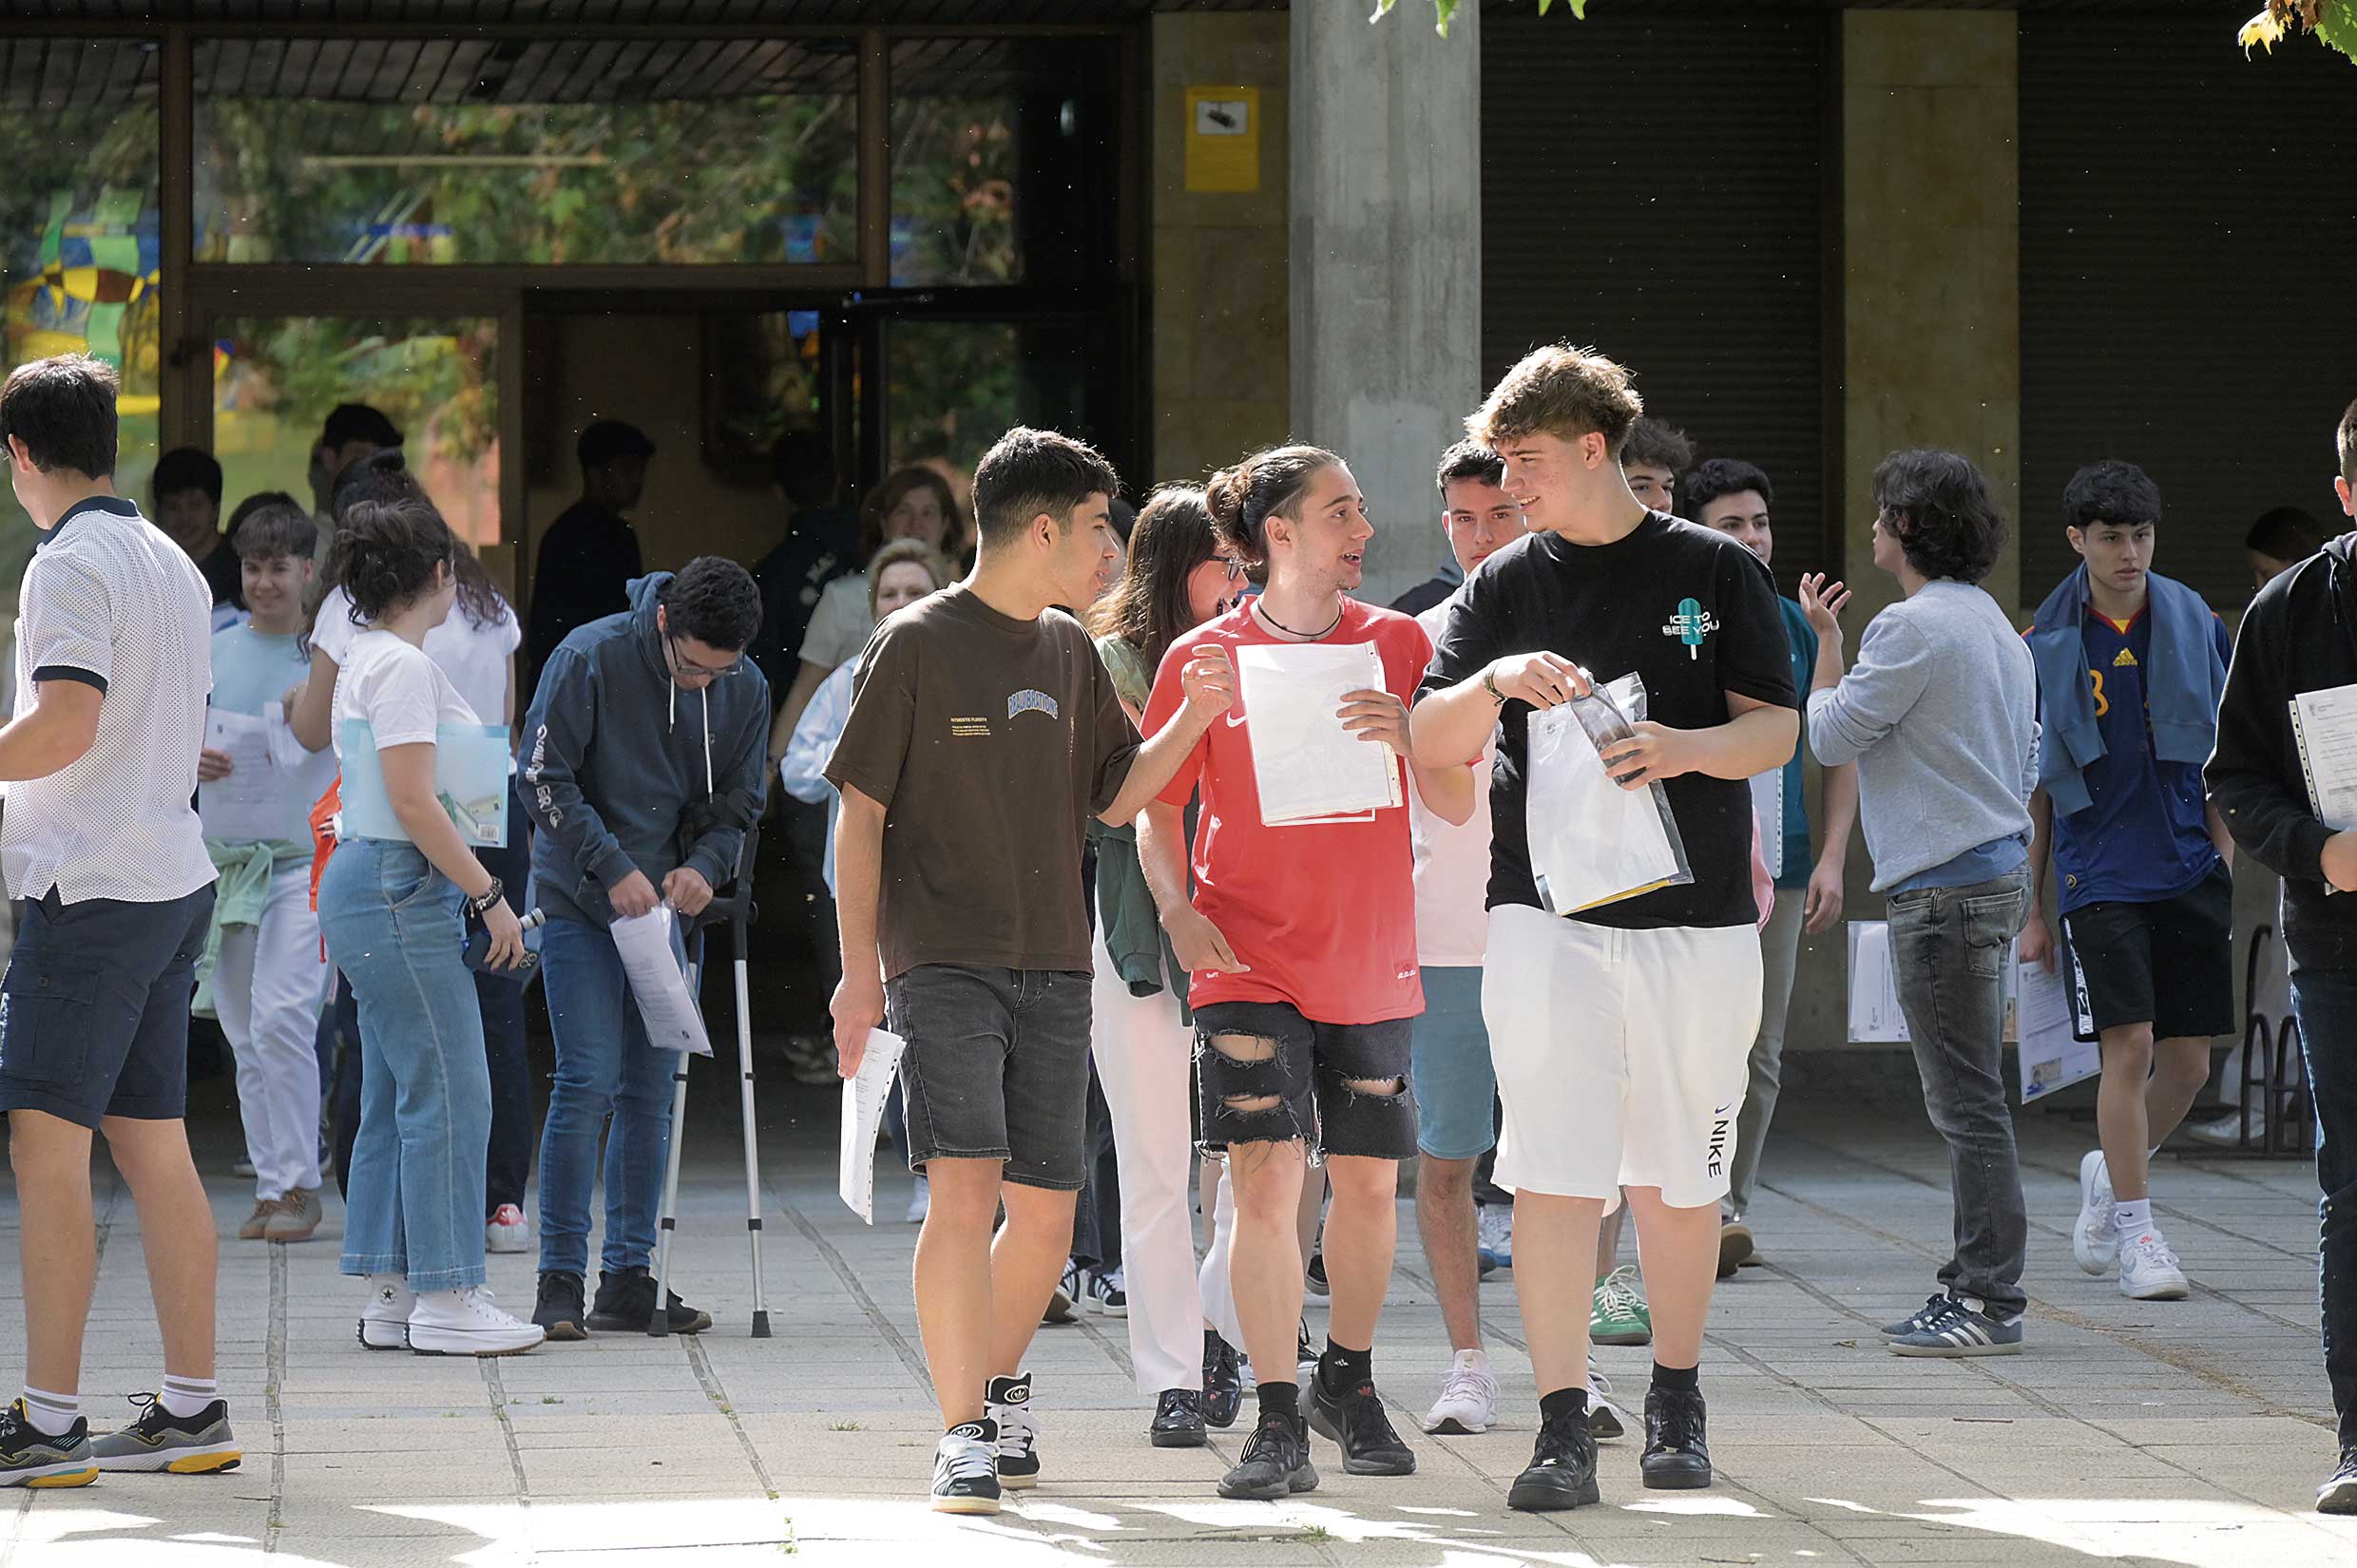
(1937, 505)
(714, 600)
(1717, 477)
(387, 547)
(2110, 491)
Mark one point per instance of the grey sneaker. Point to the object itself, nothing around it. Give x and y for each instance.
(1972, 1329)
(34, 1457)
(297, 1215)
(184, 1446)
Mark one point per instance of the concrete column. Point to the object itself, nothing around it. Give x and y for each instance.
(1387, 259)
(1931, 242)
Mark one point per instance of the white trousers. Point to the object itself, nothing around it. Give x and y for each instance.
(266, 989)
(1146, 1063)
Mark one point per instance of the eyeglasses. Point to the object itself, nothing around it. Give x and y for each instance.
(683, 666)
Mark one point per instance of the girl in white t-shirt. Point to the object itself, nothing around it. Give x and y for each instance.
(393, 910)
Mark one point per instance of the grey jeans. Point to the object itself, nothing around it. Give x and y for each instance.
(1779, 950)
(1947, 952)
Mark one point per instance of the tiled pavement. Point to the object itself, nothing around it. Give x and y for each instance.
(2187, 1433)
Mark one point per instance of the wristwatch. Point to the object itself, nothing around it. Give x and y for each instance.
(476, 908)
(1489, 684)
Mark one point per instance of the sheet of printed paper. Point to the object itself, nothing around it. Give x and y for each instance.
(863, 1094)
(1874, 1014)
(2327, 722)
(674, 1022)
(247, 805)
(2052, 1055)
(1305, 764)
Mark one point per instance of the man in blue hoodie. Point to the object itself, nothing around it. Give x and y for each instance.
(644, 762)
(2131, 666)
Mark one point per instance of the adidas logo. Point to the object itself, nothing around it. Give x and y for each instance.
(2125, 660)
(973, 1431)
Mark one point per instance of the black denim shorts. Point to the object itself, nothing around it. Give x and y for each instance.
(996, 1068)
(1309, 1075)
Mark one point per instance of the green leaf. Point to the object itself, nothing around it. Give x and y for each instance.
(2338, 27)
(1383, 8)
(1442, 12)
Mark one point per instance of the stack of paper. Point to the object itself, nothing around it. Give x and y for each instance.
(1306, 767)
(863, 1094)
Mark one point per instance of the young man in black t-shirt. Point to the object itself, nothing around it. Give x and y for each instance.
(1620, 1033)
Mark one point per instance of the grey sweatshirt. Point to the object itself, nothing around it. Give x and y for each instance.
(1941, 715)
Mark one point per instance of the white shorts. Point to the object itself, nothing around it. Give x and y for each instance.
(1621, 1055)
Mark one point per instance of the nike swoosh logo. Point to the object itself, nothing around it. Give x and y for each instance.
(1235, 721)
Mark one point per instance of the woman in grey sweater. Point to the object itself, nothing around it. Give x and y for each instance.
(1940, 716)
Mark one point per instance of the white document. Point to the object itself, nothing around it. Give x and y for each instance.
(674, 1022)
(2326, 724)
(2052, 1055)
(249, 804)
(1591, 841)
(1305, 764)
(1874, 1014)
(1768, 808)
(863, 1094)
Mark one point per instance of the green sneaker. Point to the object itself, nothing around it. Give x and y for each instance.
(1618, 1315)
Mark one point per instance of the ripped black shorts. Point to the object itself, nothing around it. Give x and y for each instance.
(1311, 1077)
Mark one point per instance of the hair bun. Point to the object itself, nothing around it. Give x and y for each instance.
(1226, 493)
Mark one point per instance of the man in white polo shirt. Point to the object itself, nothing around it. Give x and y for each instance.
(102, 852)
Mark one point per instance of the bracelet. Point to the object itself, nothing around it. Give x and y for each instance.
(1489, 684)
(476, 908)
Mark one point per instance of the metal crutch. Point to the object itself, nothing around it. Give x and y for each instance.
(658, 1325)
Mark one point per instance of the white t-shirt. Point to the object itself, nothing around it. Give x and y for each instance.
(1452, 864)
(841, 624)
(109, 601)
(405, 696)
(475, 658)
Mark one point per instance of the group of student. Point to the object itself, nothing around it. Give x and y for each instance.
(1341, 994)
(640, 765)
(1291, 1000)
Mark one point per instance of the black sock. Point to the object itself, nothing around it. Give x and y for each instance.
(1279, 1399)
(1340, 1371)
(1683, 1379)
(1563, 1403)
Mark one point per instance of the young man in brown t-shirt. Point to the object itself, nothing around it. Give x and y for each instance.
(984, 733)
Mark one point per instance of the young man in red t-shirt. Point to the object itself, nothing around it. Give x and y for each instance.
(1301, 938)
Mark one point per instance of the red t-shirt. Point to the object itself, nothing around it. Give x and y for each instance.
(1324, 914)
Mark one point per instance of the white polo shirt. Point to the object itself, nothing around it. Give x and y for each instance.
(109, 601)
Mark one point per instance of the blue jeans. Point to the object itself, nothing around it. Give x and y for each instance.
(2325, 1001)
(604, 1067)
(414, 1206)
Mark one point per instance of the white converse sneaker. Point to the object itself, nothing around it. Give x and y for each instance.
(469, 1323)
(384, 1316)
(1469, 1401)
(2095, 1239)
(2149, 1270)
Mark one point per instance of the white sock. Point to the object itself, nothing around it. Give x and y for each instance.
(2132, 1216)
(184, 1396)
(52, 1415)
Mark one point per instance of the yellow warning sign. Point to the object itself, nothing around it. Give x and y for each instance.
(1223, 139)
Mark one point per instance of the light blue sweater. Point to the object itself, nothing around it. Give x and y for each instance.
(1941, 715)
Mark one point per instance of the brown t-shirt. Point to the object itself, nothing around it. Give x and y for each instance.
(989, 742)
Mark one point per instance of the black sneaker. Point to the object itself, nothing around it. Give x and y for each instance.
(1561, 1472)
(1275, 1463)
(1316, 1278)
(625, 1304)
(1008, 1401)
(1355, 1420)
(1179, 1420)
(1305, 1353)
(558, 1308)
(1676, 1458)
(966, 1475)
(34, 1457)
(1223, 1381)
(185, 1446)
(2339, 1494)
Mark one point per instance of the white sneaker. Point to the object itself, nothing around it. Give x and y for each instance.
(2148, 1269)
(2095, 1239)
(508, 1230)
(1469, 1401)
(920, 1202)
(1495, 1226)
(469, 1323)
(2226, 1132)
(384, 1316)
(1605, 1421)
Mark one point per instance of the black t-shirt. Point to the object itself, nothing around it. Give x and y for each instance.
(1692, 612)
(817, 549)
(225, 575)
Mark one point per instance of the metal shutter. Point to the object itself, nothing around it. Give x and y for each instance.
(1656, 184)
(2189, 230)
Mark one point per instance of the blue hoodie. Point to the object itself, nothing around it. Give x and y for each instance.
(620, 763)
